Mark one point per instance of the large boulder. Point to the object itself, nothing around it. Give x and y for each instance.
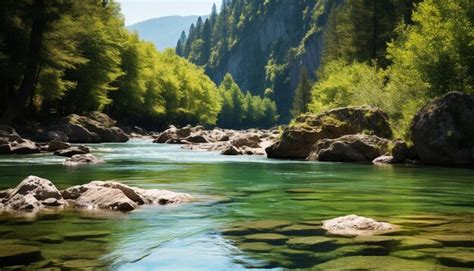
(349, 148)
(32, 195)
(57, 145)
(298, 138)
(354, 225)
(443, 130)
(12, 143)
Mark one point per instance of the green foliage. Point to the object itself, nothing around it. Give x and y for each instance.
(341, 84)
(243, 110)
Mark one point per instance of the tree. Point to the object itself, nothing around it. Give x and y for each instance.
(181, 43)
(302, 96)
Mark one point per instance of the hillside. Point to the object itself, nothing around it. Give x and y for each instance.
(164, 31)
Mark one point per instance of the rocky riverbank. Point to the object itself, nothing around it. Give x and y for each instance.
(35, 194)
(227, 142)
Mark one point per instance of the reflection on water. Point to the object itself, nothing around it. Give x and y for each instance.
(433, 206)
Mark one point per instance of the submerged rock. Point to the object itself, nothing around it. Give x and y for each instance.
(443, 130)
(271, 238)
(353, 225)
(18, 254)
(375, 263)
(83, 159)
(349, 148)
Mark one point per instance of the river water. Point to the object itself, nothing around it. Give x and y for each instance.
(248, 213)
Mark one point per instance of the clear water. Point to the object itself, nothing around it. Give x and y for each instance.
(229, 192)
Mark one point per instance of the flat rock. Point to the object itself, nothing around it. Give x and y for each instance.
(18, 254)
(256, 246)
(265, 225)
(417, 242)
(71, 151)
(309, 242)
(377, 240)
(271, 238)
(81, 264)
(461, 259)
(454, 240)
(409, 254)
(353, 225)
(301, 230)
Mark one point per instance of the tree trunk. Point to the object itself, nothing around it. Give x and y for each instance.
(18, 102)
(374, 33)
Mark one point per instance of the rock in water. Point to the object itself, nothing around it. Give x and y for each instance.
(105, 198)
(58, 145)
(32, 195)
(443, 130)
(70, 152)
(12, 143)
(353, 225)
(83, 159)
(349, 148)
(297, 139)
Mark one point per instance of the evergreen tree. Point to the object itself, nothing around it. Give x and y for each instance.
(302, 96)
(181, 44)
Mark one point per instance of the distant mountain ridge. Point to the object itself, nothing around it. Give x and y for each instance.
(164, 32)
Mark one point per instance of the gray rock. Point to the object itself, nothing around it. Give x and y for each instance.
(349, 148)
(443, 130)
(384, 159)
(58, 145)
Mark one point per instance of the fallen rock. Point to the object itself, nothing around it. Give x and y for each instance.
(32, 195)
(353, 225)
(71, 151)
(443, 130)
(83, 159)
(349, 148)
(297, 139)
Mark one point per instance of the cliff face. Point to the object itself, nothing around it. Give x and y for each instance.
(270, 47)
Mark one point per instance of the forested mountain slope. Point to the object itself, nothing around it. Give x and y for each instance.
(266, 44)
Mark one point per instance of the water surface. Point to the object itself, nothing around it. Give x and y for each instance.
(214, 232)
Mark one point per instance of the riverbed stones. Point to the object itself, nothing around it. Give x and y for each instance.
(453, 240)
(265, 225)
(353, 225)
(301, 230)
(82, 264)
(443, 130)
(460, 259)
(18, 254)
(256, 246)
(309, 243)
(417, 242)
(271, 238)
(83, 159)
(409, 254)
(375, 263)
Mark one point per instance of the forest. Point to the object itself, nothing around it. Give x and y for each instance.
(397, 55)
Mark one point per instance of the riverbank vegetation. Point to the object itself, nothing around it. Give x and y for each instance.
(63, 57)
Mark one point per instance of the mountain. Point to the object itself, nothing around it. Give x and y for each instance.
(164, 32)
(267, 44)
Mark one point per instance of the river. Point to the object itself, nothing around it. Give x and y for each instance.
(233, 193)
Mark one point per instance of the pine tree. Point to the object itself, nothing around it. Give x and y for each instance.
(181, 43)
(302, 96)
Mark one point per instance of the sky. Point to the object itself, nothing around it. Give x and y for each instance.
(141, 10)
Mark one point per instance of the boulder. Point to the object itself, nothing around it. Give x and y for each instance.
(353, 225)
(349, 148)
(298, 138)
(70, 152)
(402, 153)
(58, 145)
(117, 196)
(12, 143)
(83, 159)
(31, 195)
(232, 150)
(24, 146)
(443, 130)
(384, 159)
